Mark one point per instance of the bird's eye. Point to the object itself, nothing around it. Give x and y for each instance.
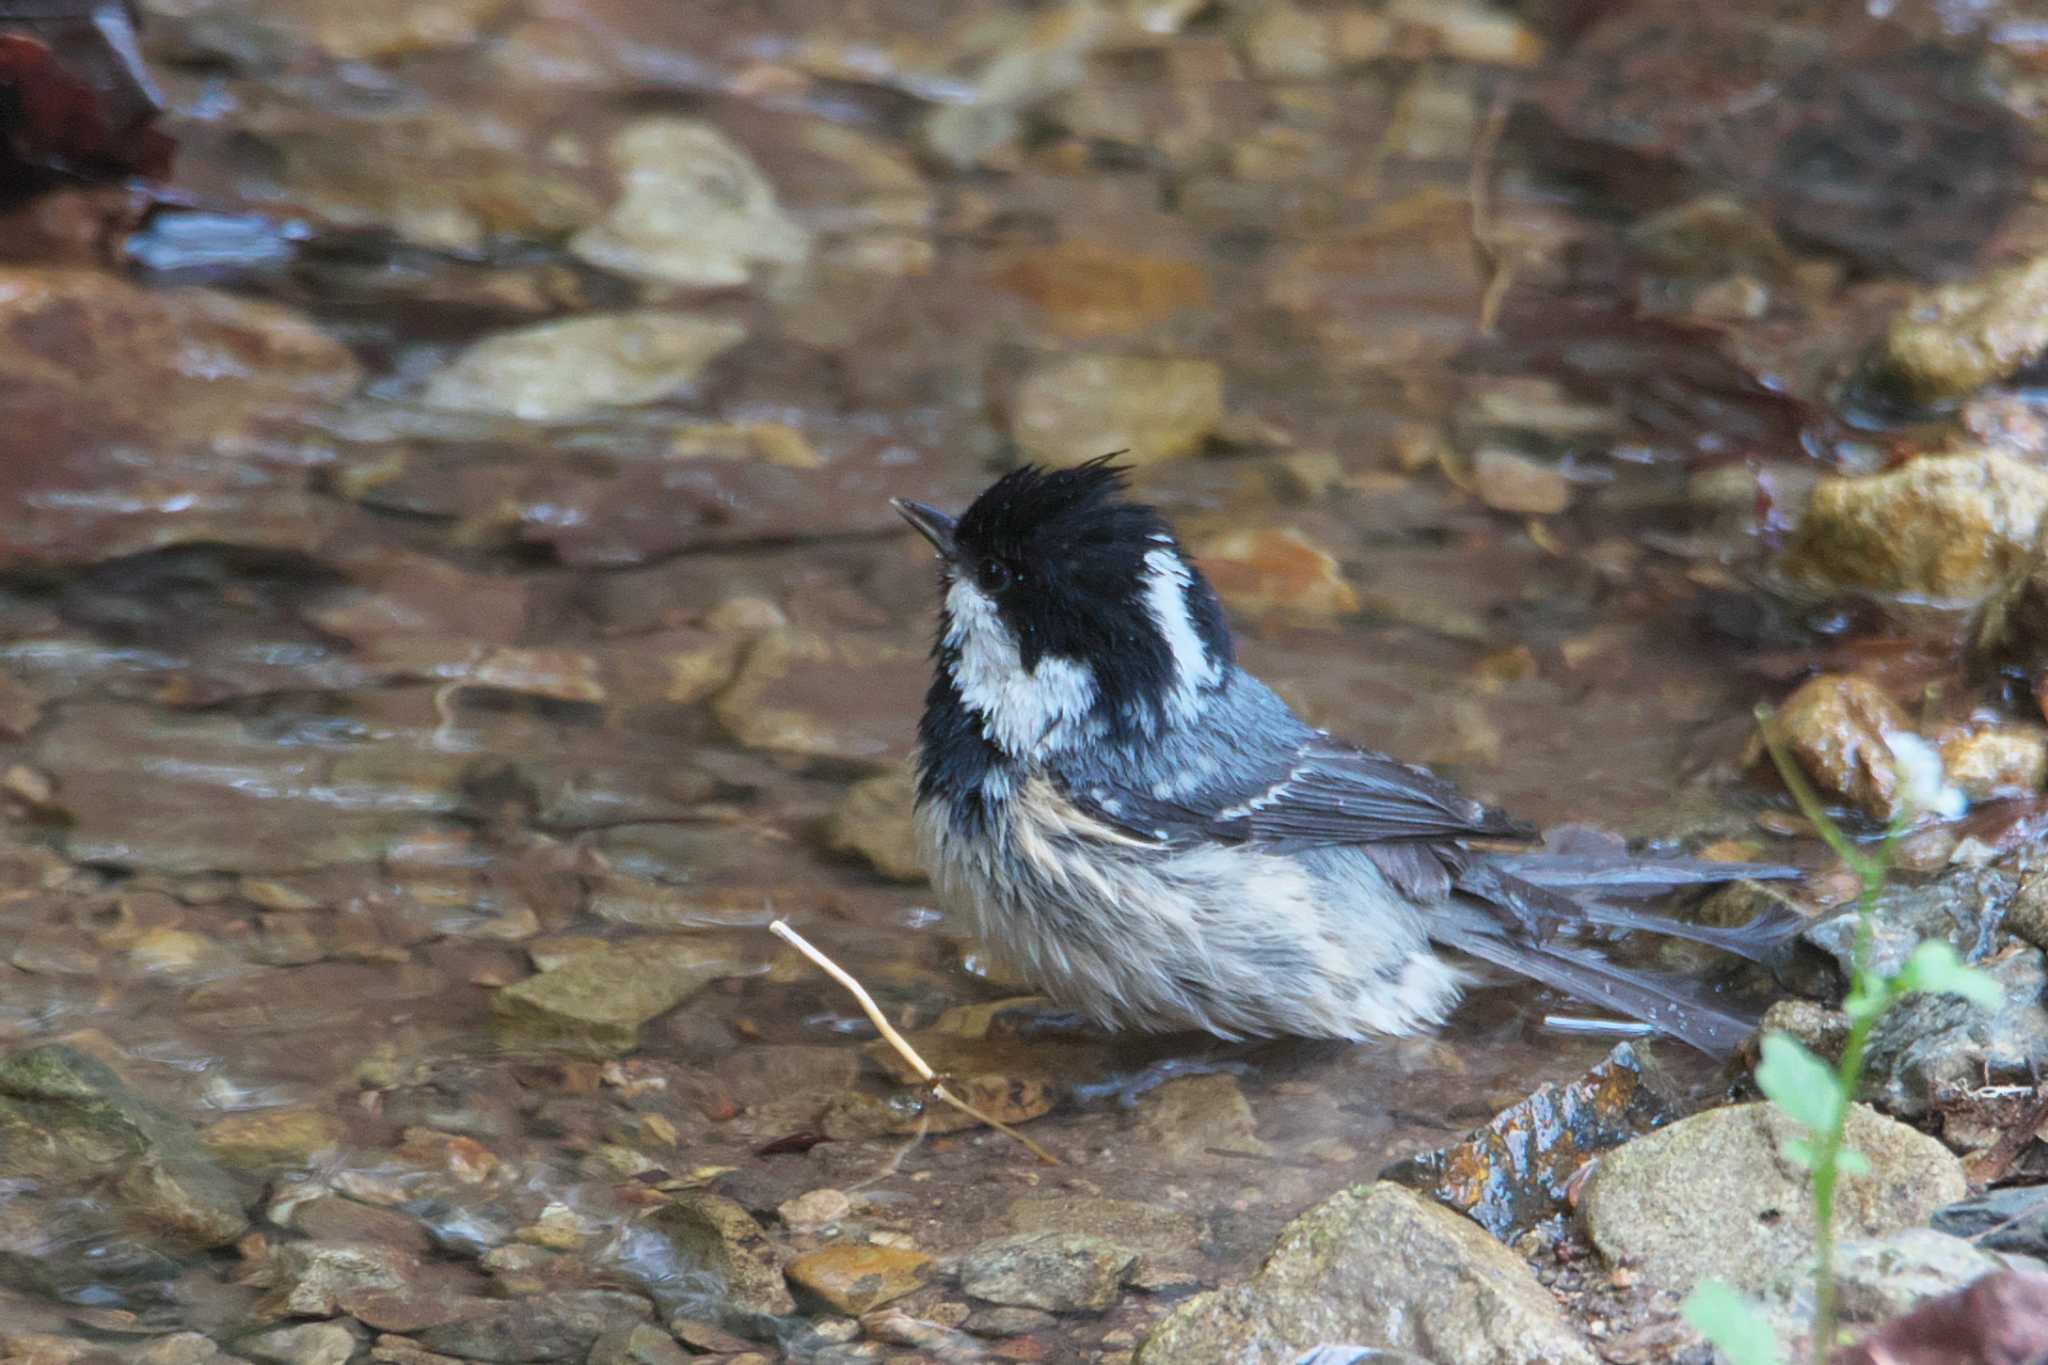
(995, 575)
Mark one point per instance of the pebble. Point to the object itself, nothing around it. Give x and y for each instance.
(1076, 407)
(554, 371)
(851, 1278)
(1060, 1272)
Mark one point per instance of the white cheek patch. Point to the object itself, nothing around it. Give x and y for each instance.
(1022, 711)
(1166, 602)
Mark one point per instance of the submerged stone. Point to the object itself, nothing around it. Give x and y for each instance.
(558, 370)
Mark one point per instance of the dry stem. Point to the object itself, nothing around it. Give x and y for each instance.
(781, 929)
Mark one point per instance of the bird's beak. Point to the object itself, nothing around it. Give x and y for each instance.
(930, 522)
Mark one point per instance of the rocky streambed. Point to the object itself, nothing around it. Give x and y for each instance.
(449, 606)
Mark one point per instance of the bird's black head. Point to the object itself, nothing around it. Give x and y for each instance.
(1070, 610)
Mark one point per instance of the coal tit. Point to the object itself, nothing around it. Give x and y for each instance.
(1149, 834)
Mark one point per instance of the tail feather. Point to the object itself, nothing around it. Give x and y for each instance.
(1520, 905)
(1676, 1006)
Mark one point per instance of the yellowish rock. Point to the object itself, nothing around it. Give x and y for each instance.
(695, 210)
(272, 1136)
(850, 1278)
(1945, 528)
(1953, 340)
(875, 821)
(559, 370)
(1077, 407)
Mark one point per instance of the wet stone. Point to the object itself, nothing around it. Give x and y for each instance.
(849, 1278)
(1840, 731)
(312, 1279)
(1713, 1195)
(1515, 1173)
(272, 1137)
(563, 1325)
(638, 1344)
(814, 1209)
(2014, 1219)
(1007, 1322)
(316, 1343)
(1383, 1264)
(1060, 1272)
(875, 821)
(695, 210)
(1077, 407)
(813, 697)
(1187, 1119)
(1509, 481)
(1991, 762)
(1089, 290)
(597, 1000)
(1146, 1227)
(559, 370)
(65, 1116)
(1932, 1045)
(715, 1234)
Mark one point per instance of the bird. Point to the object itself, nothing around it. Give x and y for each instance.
(1154, 839)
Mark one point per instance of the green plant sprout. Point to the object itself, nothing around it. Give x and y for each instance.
(1816, 1096)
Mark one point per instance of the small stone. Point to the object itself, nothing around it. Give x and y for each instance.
(312, 1278)
(1008, 1322)
(1145, 1227)
(1714, 1195)
(637, 1343)
(1383, 1264)
(554, 371)
(716, 1234)
(696, 210)
(1187, 1119)
(561, 1325)
(814, 1209)
(1277, 572)
(1061, 1272)
(316, 1343)
(1076, 407)
(1955, 339)
(824, 698)
(850, 1278)
(1812, 1025)
(876, 822)
(273, 1136)
(1947, 527)
(598, 1000)
(1509, 481)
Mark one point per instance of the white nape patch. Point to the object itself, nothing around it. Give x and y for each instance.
(1166, 601)
(1023, 711)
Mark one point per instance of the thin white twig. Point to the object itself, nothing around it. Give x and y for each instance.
(781, 929)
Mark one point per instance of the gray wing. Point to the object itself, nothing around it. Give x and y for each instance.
(1307, 791)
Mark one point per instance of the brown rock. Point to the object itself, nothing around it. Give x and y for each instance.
(838, 698)
(849, 1278)
(1837, 728)
(97, 368)
(1089, 290)
(1186, 1119)
(273, 1136)
(1276, 571)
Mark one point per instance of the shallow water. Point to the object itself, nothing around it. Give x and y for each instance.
(331, 710)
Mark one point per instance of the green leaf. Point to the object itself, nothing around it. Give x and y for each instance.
(1731, 1323)
(1934, 966)
(1849, 1161)
(1799, 1083)
(1798, 1151)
